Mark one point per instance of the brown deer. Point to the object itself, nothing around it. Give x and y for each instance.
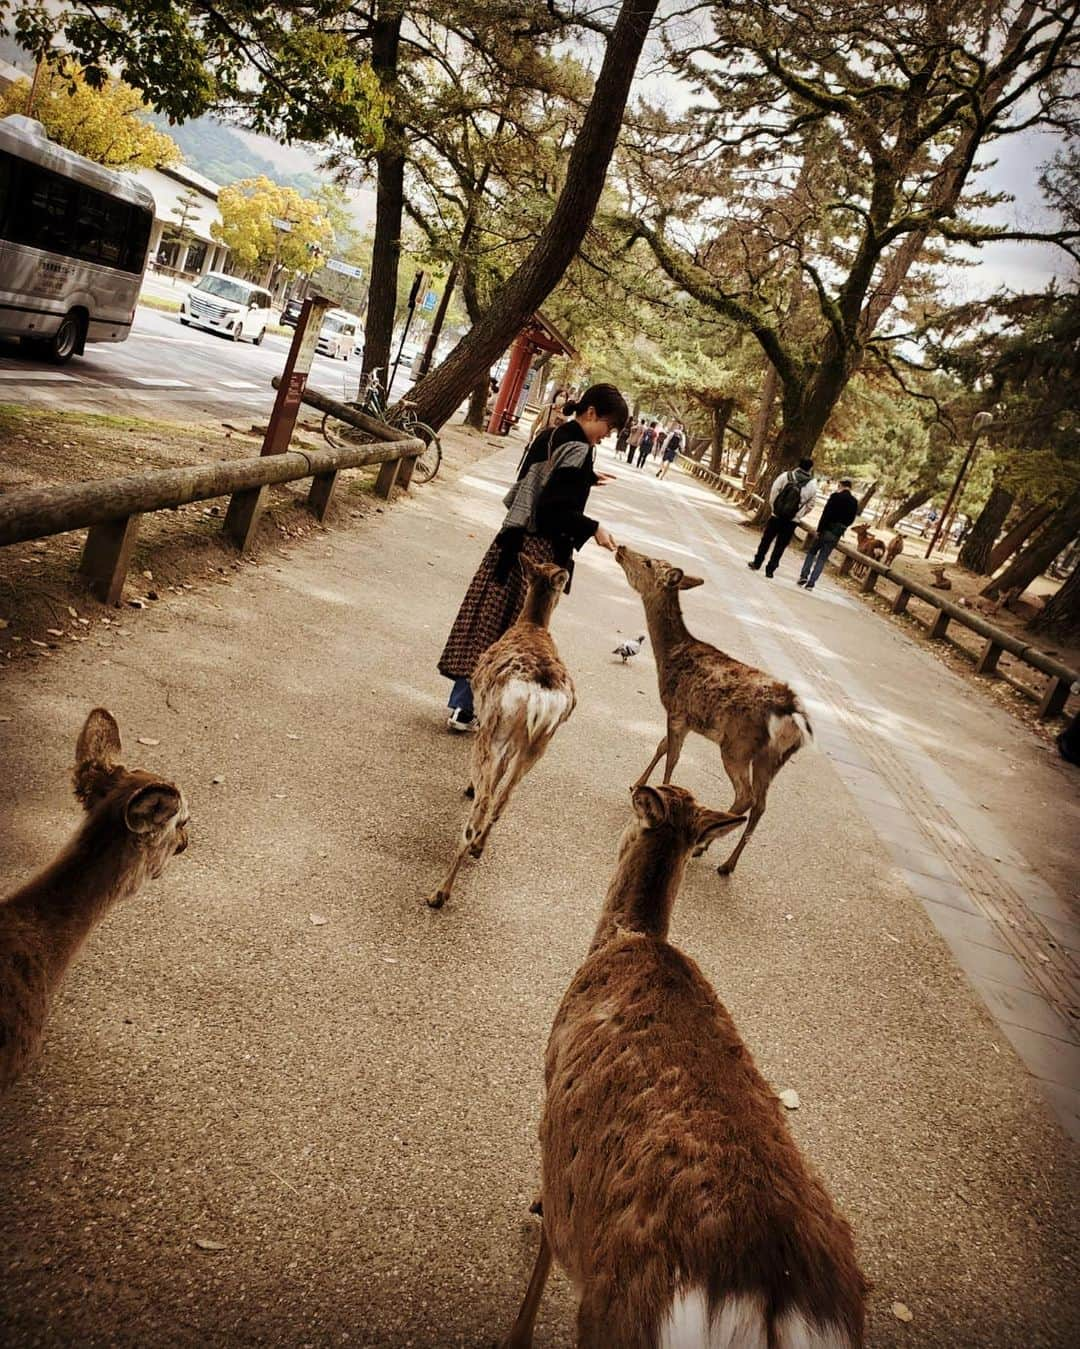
(672, 1194)
(523, 694)
(134, 823)
(757, 721)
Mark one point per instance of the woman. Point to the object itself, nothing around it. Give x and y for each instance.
(546, 522)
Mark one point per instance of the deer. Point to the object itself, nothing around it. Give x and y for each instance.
(758, 722)
(672, 1193)
(523, 693)
(135, 823)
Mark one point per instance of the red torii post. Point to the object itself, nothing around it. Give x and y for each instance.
(538, 335)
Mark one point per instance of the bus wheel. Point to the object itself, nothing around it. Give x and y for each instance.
(66, 340)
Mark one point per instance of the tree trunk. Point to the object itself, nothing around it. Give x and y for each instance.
(868, 495)
(1018, 535)
(389, 202)
(1061, 617)
(721, 415)
(759, 433)
(912, 502)
(977, 549)
(478, 403)
(1062, 528)
(438, 393)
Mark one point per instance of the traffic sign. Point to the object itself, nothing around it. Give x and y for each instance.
(339, 282)
(430, 300)
(346, 268)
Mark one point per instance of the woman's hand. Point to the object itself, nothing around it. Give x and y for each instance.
(599, 479)
(604, 539)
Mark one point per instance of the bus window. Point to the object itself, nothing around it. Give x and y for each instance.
(43, 209)
(138, 239)
(7, 177)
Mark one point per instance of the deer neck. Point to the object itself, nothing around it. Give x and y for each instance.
(663, 615)
(75, 890)
(539, 606)
(643, 889)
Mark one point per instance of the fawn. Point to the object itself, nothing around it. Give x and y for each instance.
(135, 822)
(523, 694)
(757, 721)
(673, 1195)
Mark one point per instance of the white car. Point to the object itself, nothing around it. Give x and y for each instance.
(339, 335)
(225, 304)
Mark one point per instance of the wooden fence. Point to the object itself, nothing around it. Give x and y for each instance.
(1060, 679)
(111, 508)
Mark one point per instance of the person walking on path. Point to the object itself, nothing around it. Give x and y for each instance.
(546, 522)
(551, 414)
(841, 510)
(646, 443)
(636, 432)
(658, 443)
(672, 447)
(791, 497)
(622, 442)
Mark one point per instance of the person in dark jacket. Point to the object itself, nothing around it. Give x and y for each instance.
(840, 511)
(545, 522)
(648, 440)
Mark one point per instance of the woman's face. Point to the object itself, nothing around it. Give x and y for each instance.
(595, 428)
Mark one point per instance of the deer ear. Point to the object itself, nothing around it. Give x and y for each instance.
(650, 806)
(561, 579)
(689, 582)
(527, 565)
(99, 739)
(710, 824)
(151, 807)
(673, 578)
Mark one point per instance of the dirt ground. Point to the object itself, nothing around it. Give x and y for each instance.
(43, 603)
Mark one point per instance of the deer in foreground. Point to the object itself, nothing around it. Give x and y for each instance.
(523, 694)
(757, 721)
(673, 1195)
(135, 822)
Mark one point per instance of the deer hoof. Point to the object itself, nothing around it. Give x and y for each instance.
(725, 868)
(476, 848)
(438, 899)
(470, 791)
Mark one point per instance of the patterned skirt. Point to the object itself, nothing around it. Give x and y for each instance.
(490, 607)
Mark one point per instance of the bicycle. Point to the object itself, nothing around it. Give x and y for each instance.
(371, 400)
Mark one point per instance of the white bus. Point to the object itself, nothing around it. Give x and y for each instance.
(73, 244)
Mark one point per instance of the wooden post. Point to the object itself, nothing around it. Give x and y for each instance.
(107, 556)
(988, 658)
(900, 603)
(847, 564)
(940, 625)
(321, 494)
(869, 581)
(1055, 696)
(245, 508)
(384, 483)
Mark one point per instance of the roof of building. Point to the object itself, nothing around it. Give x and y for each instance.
(167, 188)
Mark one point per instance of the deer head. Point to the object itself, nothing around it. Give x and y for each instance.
(149, 812)
(544, 575)
(672, 812)
(652, 575)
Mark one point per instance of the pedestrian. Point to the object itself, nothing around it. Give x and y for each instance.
(622, 442)
(550, 413)
(791, 496)
(658, 443)
(841, 510)
(546, 522)
(672, 447)
(648, 439)
(636, 432)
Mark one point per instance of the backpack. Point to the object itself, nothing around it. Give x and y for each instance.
(788, 499)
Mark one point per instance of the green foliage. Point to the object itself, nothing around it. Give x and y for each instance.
(248, 212)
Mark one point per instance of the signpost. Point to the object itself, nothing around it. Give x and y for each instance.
(418, 285)
(336, 283)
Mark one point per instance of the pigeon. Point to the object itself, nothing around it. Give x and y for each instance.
(629, 648)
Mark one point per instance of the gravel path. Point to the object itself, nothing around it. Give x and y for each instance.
(347, 1109)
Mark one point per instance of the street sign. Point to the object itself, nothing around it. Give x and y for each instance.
(338, 282)
(430, 300)
(284, 225)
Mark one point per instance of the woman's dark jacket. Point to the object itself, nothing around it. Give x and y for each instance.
(560, 512)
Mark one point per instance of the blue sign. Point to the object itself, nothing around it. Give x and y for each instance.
(429, 302)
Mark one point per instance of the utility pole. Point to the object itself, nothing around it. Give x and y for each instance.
(979, 424)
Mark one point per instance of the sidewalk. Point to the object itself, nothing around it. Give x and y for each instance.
(350, 1109)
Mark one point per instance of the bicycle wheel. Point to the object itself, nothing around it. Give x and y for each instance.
(427, 464)
(332, 431)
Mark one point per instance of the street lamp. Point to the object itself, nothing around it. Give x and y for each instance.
(979, 423)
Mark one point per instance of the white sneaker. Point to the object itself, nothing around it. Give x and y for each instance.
(459, 723)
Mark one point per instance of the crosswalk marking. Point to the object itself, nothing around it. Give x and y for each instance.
(156, 383)
(28, 376)
(237, 384)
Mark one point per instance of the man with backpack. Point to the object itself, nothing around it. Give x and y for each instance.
(648, 440)
(672, 447)
(791, 497)
(840, 511)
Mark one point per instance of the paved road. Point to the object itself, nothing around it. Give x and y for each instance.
(169, 371)
(349, 1109)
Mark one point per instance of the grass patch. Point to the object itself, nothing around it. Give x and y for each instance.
(159, 302)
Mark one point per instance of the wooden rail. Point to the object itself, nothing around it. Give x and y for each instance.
(111, 508)
(1059, 678)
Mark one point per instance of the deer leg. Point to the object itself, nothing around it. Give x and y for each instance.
(521, 1335)
(738, 771)
(661, 750)
(482, 768)
(516, 769)
(764, 771)
(676, 735)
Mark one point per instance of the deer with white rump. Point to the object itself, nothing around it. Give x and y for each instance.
(757, 721)
(672, 1193)
(523, 694)
(135, 822)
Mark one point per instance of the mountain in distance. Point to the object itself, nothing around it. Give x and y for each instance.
(216, 150)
